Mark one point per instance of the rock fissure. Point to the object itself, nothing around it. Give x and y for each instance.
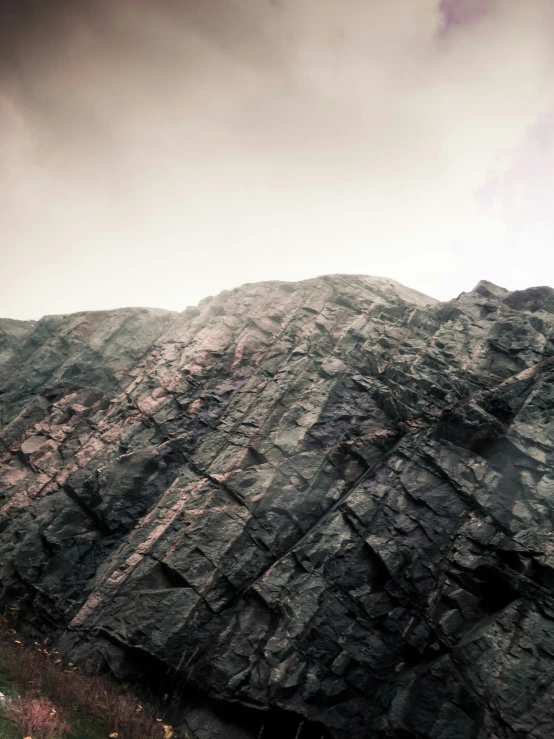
(325, 508)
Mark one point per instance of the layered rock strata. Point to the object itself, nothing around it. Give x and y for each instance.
(323, 508)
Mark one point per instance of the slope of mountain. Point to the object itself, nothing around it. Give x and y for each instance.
(11, 332)
(323, 509)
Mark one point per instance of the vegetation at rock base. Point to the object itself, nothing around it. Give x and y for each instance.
(51, 699)
(37, 716)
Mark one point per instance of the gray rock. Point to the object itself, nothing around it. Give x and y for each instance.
(328, 502)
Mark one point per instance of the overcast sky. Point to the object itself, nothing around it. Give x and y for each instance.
(154, 153)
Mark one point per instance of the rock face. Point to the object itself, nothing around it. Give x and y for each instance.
(326, 507)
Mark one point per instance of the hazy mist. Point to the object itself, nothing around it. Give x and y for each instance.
(153, 153)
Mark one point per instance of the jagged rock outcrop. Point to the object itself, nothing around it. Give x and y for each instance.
(330, 502)
(10, 332)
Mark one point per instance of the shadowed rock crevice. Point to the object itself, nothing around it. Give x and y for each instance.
(317, 509)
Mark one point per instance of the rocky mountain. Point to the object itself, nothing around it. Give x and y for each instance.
(10, 331)
(321, 509)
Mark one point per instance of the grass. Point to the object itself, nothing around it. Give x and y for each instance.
(8, 730)
(35, 715)
(50, 699)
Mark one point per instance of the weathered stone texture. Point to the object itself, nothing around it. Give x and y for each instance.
(333, 499)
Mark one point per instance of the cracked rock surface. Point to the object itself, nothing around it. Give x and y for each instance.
(326, 505)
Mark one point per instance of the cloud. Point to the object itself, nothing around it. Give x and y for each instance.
(457, 13)
(168, 150)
